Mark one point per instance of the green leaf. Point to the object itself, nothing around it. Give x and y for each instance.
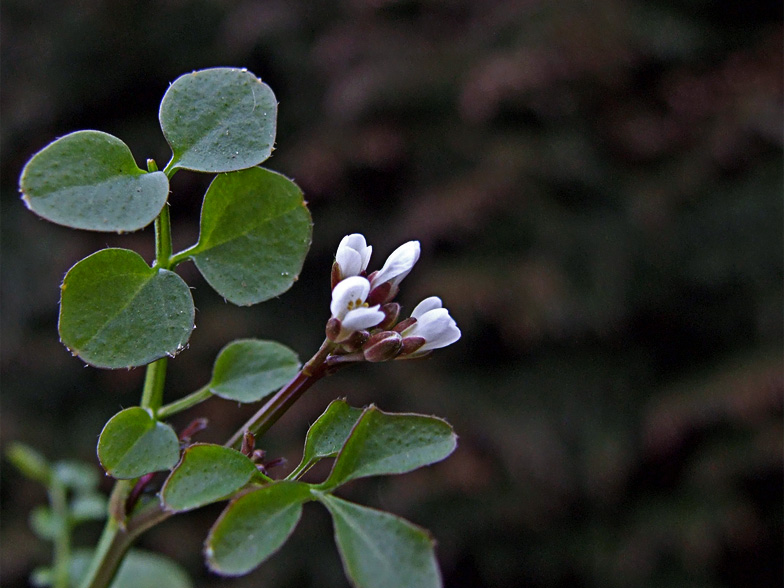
(80, 477)
(206, 473)
(90, 507)
(133, 443)
(139, 569)
(219, 120)
(381, 550)
(254, 526)
(328, 434)
(42, 576)
(89, 180)
(44, 524)
(384, 443)
(30, 462)
(255, 232)
(116, 311)
(247, 370)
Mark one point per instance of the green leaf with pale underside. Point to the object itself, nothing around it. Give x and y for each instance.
(386, 443)
(133, 443)
(381, 550)
(206, 473)
(254, 526)
(328, 434)
(255, 233)
(247, 370)
(116, 311)
(90, 180)
(219, 120)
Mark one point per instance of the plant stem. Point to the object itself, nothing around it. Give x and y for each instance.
(276, 406)
(115, 541)
(62, 541)
(181, 256)
(183, 403)
(154, 379)
(163, 239)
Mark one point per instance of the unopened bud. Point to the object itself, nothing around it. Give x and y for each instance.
(355, 341)
(391, 311)
(382, 346)
(381, 294)
(248, 441)
(411, 344)
(404, 324)
(335, 275)
(333, 328)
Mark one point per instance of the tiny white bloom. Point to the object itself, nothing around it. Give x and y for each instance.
(434, 325)
(353, 255)
(398, 265)
(349, 306)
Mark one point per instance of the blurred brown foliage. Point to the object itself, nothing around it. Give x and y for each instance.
(598, 191)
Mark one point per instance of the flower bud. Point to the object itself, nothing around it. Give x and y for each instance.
(391, 311)
(333, 328)
(383, 293)
(248, 441)
(335, 276)
(355, 341)
(382, 346)
(351, 258)
(411, 344)
(404, 324)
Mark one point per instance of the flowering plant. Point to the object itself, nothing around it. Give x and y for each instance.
(116, 311)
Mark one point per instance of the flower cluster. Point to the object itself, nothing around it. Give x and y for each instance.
(365, 318)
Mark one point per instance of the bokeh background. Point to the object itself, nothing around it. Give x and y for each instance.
(597, 187)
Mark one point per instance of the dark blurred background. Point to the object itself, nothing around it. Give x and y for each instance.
(597, 187)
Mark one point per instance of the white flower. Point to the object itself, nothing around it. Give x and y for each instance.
(349, 307)
(397, 265)
(433, 324)
(353, 255)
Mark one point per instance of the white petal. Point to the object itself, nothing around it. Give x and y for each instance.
(366, 253)
(348, 294)
(350, 262)
(355, 241)
(426, 305)
(398, 264)
(362, 318)
(436, 327)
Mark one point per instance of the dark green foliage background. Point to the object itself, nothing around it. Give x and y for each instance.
(598, 192)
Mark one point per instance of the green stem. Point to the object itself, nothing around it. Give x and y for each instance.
(115, 541)
(62, 542)
(163, 238)
(152, 395)
(178, 258)
(276, 406)
(108, 553)
(183, 403)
